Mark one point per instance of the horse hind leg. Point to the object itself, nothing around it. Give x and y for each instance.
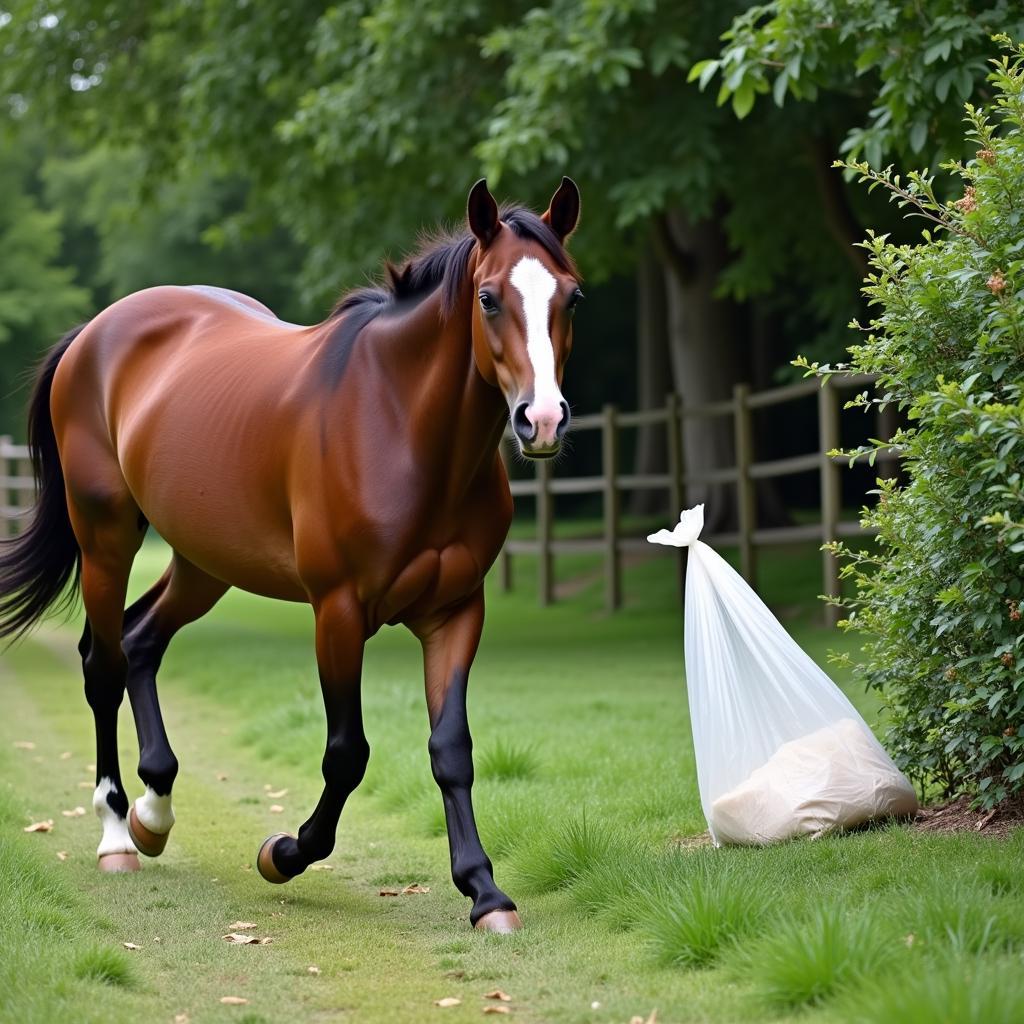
(183, 594)
(109, 536)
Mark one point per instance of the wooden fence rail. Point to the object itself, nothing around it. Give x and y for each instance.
(748, 537)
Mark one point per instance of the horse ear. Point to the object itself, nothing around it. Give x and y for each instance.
(482, 213)
(563, 211)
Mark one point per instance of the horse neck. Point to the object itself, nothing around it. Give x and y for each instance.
(457, 418)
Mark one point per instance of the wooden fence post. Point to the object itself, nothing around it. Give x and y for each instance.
(505, 577)
(10, 523)
(677, 488)
(831, 493)
(746, 501)
(610, 467)
(545, 574)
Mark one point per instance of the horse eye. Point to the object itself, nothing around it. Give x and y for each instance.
(573, 299)
(488, 303)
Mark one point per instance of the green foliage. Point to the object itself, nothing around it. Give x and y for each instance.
(914, 62)
(38, 296)
(939, 602)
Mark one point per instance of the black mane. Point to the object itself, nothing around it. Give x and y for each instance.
(441, 262)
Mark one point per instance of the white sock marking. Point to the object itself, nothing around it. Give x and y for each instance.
(115, 828)
(536, 285)
(155, 811)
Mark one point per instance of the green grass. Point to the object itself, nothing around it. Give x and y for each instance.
(587, 803)
(805, 959)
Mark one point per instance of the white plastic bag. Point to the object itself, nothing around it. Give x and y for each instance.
(780, 750)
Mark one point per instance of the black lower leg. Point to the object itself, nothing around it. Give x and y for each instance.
(451, 760)
(344, 765)
(104, 673)
(144, 648)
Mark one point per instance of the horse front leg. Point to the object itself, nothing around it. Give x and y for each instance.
(340, 636)
(449, 646)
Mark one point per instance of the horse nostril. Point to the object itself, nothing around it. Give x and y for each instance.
(523, 428)
(563, 423)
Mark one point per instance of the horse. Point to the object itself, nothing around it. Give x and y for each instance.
(353, 465)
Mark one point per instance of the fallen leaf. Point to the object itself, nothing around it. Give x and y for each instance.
(498, 994)
(242, 926)
(276, 794)
(448, 1001)
(321, 867)
(496, 1009)
(415, 889)
(909, 940)
(91, 768)
(276, 808)
(181, 1018)
(221, 777)
(234, 1000)
(383, 892)
(156, 938)
(24, 745)
(241, 940)
(86, 785)
(267, 785)
(312, 969)
(66, 756)
(39, 826)
(75, 812)
(595, 1005)
(62, 855)
(130, 945)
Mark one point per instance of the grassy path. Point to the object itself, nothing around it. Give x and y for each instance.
(585, 786)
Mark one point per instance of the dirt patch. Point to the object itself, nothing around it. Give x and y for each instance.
(958, 816)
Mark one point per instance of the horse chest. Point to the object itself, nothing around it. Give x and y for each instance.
(431, 580)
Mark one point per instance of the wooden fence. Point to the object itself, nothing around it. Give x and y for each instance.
(611, 484)
(17, 487)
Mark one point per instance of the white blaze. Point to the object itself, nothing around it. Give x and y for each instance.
(154, 811)
(536, 285)
(115, 829)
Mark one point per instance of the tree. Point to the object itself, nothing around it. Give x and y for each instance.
(349, 123)
(38, 297)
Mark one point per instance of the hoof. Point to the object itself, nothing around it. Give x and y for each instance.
(118, 863)
(150, 843)
(501, 922)
(265, 859)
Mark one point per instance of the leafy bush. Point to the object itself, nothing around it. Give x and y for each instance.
(940, 601)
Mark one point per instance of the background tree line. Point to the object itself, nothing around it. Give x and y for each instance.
(284, 149)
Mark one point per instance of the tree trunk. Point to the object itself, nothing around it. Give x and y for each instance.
(703, 330)
(653, 377)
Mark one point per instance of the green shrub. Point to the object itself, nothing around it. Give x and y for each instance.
(941, 599)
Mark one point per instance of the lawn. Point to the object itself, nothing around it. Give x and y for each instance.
(587, 803)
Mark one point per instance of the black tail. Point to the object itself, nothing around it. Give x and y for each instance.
(37, 565)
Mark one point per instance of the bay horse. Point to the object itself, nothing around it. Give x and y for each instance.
(352, 465)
